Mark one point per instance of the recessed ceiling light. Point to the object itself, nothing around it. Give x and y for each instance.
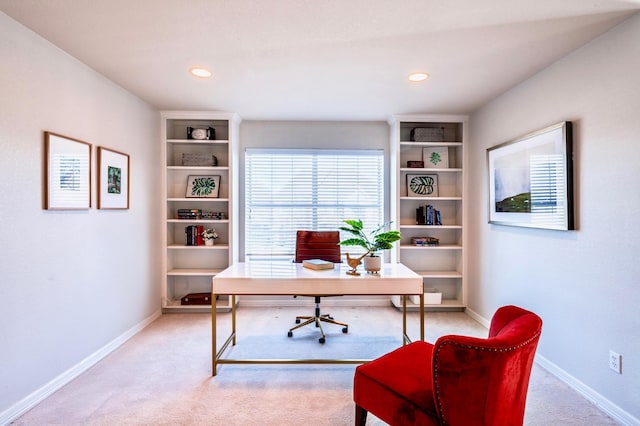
(200, 72)
(418, 76)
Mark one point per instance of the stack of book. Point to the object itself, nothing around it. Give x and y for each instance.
(193, 235)
(190, 214)
(425, 241)
(428, 215)
(213, 215)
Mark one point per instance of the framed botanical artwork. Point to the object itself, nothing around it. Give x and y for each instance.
(67, 173)
(203, 187)
(436, 157)
(422, 185)
(531, 180)
(113, 179)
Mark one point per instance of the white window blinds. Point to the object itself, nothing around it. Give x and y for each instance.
(287, 190)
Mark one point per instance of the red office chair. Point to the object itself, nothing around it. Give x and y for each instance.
(318, 245)
(456, 381)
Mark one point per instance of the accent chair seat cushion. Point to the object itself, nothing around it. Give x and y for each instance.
(398, 398)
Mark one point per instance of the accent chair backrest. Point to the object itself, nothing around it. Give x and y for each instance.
(485, 381)
(318, 245)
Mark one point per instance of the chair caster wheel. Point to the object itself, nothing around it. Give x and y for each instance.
(345, 330)
(321, 340)
(297, 320)
(290, 334)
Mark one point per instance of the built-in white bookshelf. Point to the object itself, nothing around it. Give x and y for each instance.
(186, 268)
(438, 141)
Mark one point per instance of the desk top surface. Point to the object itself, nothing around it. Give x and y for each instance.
(271, 278)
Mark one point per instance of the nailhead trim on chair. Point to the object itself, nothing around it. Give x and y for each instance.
(479, 348)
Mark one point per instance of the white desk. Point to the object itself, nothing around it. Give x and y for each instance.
(285, 278)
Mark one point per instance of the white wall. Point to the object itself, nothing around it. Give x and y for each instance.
(583, 283)
(70, 282)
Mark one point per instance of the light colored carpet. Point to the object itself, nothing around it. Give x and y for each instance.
(162, 376)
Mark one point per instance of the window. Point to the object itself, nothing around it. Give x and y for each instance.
(291, 189)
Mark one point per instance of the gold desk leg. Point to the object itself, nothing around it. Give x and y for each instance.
(422, 316)
(213, 334)
(233, 318)
(404, 319)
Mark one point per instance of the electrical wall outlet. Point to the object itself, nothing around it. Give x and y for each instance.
(615, 362)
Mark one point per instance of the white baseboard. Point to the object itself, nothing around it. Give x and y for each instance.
(611, 409)
(608, 407)
(473, 314)
(30, 401)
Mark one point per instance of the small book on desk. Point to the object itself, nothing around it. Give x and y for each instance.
(317, 264)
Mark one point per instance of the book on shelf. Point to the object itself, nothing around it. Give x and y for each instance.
(428, 215)
(317, 264)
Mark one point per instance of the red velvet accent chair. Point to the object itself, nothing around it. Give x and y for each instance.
(458, 380)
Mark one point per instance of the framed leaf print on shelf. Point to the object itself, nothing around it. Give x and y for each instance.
(67, 173)
(422, 185)
(207, 186)
(436, 157)
(113, 179)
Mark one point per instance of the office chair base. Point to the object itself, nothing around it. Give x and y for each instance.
(318, 320)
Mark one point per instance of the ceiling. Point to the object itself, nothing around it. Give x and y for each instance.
(319, 60)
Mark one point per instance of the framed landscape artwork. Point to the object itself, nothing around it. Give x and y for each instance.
(203, 187)
(67, 173)
(531, 180)
(113, 179)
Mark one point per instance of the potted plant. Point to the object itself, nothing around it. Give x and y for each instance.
(376, 240)
(209, 236)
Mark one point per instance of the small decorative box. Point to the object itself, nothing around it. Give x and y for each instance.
(194, 159)
(427, 134)
(415, 164)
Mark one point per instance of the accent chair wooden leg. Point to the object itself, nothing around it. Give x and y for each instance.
(361, 416)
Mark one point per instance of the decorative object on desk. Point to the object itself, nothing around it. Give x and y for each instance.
(375, 241)
(427, 134)
(317, 264)
(422, 185)
(531, 180)
(209, 235)
(67, 173)
(113, 179)
(199, 159)
(203, 186)
(201, 134)
(354, 262)
(415, 164)
(436, 157)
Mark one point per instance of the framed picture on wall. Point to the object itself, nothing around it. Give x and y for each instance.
(113, 179)
(531, 180)
(203, 186)
(422, 185)
(67, 173)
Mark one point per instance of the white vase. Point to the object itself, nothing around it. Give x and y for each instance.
(209, 242)
(372, 264)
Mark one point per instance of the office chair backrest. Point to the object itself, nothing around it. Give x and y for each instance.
(318, 245)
